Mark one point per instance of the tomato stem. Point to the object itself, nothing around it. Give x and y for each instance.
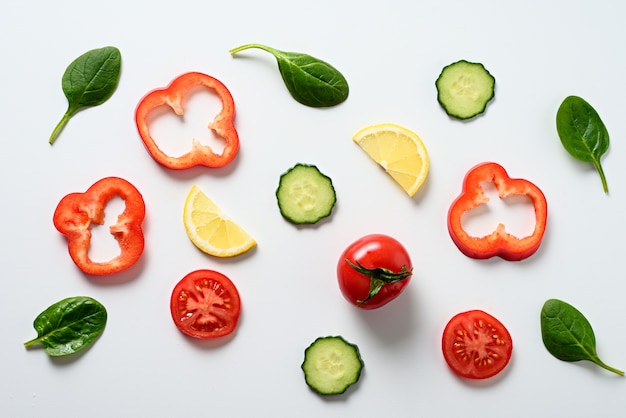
(379, 277)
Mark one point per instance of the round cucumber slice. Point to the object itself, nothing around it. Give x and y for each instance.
(464, 89)
(305, 195)
(331, 365)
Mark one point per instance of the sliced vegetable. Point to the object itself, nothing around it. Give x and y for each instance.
(476, 345)
(76, 212)
(89, 80)
(499, 243)
(205, 304)
(568, 335)
(373, 271)
(174, 97)
(331, 365)
(305, 195)
(69, 325)
(582, 133)
(464, 89)
(310, 81)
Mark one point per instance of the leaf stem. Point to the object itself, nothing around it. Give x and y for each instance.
(605, 186)
(57, 129)
(32, 342)
(607, 367)
(248, 46)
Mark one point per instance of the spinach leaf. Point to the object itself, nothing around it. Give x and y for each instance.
(567, 334)
(310, 81)
(69, 325)
(89, 80)
(583, 133)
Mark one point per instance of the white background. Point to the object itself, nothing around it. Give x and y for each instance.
(391, 53)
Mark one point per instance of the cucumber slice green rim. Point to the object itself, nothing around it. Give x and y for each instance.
(464, 89)
(331, 365)
(305, 195)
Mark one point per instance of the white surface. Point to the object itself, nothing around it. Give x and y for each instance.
(391, 54)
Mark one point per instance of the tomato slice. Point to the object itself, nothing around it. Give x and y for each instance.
(476, 345)
(205, 304)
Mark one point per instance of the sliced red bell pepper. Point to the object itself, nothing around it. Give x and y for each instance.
(499, 243)
(76, 212)
(173, 96)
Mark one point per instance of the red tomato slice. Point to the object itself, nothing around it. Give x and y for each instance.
(476, 345)
(205, 304)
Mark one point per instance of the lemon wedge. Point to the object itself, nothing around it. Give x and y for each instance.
(399, 151)
(210, 229)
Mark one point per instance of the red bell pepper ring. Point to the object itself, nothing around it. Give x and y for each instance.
(499, 243)
(173, 96)
(76, 212)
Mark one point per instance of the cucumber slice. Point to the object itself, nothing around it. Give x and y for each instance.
(305, 195)
(331, 365)
(464, 89)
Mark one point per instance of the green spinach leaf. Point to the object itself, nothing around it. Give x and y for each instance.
(69, 325)
(582, 133)
(310, 81)
(89, 80)
(568, 335)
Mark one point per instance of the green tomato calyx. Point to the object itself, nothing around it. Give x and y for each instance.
(379, 277)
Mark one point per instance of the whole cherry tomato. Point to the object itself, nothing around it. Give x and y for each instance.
(373, 270)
